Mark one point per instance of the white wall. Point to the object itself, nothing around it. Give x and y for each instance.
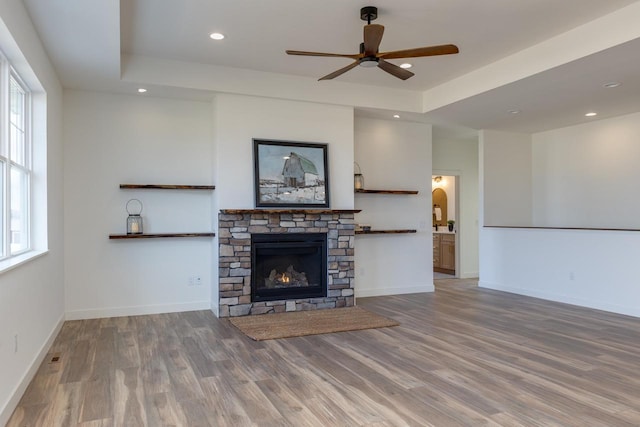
(460, 158)
(31, 295)
(115, 139)
(506, 178)
(583, 176)
(595, 269)
(397, 156)
(587, 175)
(240, 118)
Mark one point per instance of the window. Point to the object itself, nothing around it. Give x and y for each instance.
(15, 163)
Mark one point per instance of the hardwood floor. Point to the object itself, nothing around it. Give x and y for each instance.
(463, 356)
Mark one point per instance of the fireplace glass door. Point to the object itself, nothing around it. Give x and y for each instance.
(288, 266)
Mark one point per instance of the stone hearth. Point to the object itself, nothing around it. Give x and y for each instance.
(234, 236)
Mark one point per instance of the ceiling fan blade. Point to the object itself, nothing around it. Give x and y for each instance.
(394, 70)
(335, 55)
(372, 38)
(445, 49)
(341, 71)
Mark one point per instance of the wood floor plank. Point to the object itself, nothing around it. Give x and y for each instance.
(163, 410)
(293, 409)
(97, 403)
(255, 403)
(184, 382)
(130, 409)
(65, 405)
(127, 353)
(229, 410)
(202, 365)
(155, 376)
(78, 363)
(462, 356)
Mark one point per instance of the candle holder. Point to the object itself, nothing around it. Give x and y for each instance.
(134, 220)
(358, 178)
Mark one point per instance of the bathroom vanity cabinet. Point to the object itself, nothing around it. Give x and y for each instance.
(444, 252)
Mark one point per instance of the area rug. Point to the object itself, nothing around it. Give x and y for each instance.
(313, 322)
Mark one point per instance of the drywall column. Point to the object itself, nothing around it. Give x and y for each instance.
(506, 178)
(505, 197)
(394, 155)
(460, 158)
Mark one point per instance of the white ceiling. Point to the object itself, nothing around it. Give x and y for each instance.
(104, 44)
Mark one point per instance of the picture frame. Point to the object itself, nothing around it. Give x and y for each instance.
(290, 174)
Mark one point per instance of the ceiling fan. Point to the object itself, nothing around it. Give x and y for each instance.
(369, 55)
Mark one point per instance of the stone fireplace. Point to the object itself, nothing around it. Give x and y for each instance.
(272, 261)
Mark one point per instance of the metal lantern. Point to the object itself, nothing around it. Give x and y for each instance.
(358, 178)
(134, 220)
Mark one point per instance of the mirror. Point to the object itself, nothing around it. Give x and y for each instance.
(439, 212)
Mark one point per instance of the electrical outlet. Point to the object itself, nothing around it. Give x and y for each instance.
(194, 281)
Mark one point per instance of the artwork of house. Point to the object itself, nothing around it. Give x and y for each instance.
(298, 171)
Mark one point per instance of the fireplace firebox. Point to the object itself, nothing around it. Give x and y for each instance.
(288, 266)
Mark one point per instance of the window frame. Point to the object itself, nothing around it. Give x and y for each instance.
(7, 75)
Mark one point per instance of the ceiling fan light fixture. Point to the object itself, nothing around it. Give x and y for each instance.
(216, 36)
(406, 65)
(368, 62)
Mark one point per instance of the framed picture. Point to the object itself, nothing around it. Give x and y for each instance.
(290, 174)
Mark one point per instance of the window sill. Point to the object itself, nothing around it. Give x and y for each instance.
(13, 262)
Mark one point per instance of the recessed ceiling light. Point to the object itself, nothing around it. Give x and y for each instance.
(611, 85)
(396, 116)
(591, 114)
(514, 111)
(406, 65)
(216, 36)
(141, 90)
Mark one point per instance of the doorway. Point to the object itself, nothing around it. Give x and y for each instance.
(444, 226)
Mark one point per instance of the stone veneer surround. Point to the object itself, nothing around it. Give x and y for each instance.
(234, 237)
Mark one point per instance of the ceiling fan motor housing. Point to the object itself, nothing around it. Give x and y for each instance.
(369, 13)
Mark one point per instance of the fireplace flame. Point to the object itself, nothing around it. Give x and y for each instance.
(291, 277)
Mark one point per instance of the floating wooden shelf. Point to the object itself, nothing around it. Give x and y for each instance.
(385, 231)
(362, 190)
(167, 187)
(163, 235)
(159, 235)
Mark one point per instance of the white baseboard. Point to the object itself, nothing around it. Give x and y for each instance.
(469, 275)
(581, 302)
(137, 310)
(214, 306)
(13, 401)
(394, 291)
